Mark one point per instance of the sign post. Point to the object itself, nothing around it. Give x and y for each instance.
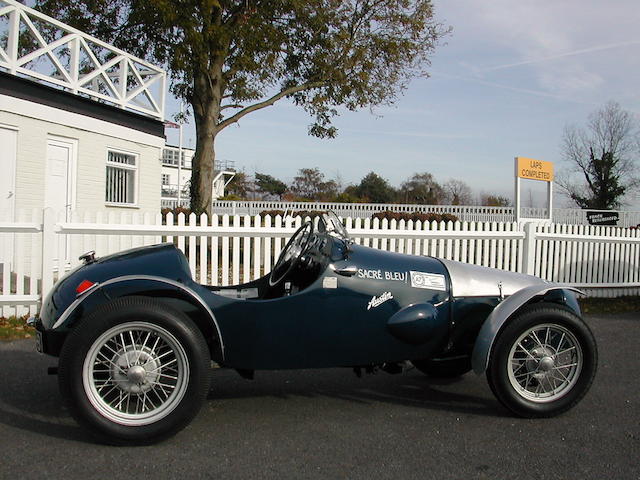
(531, 169)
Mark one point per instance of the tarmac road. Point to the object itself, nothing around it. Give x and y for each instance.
(330, 424)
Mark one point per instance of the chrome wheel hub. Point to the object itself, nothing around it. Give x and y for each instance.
(136, 373)
(545, 363)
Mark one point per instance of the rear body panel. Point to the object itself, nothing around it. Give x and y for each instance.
(163, 261)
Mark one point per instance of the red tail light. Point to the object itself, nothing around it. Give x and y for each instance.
(84, 286)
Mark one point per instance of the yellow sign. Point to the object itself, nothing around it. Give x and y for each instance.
(534, 169)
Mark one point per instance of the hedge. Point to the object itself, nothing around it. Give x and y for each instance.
(416, 216)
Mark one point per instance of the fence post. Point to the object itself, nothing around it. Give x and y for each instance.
(48, 243)
(529, 249)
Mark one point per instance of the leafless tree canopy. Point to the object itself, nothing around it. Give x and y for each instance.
(458, 192)
(602, 158)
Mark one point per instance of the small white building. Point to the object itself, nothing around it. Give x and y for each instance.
(224, 171)
(81, 126)
(77, 132)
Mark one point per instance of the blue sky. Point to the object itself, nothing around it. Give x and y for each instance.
(509, 78)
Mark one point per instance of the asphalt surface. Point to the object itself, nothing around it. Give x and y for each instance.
(330, 424)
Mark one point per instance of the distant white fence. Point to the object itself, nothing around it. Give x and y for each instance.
(37, 249)
(363, 210)
(468, 213)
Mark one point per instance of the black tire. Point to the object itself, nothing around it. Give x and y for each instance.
(443, 367)
(163, 354)
(544, 382)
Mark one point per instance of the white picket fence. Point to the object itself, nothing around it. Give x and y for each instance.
(37, 248)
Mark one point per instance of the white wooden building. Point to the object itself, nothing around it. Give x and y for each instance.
(224, 172)
(80, 130)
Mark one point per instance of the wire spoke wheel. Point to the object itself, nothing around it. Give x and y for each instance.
(545, 362)
(135, 373)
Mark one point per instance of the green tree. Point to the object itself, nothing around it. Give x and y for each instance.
(423, 189)
(375, 189)
(347, 196)
(310, 184)
(270, 185)
(603, 154)
(494, 201)
(239, 186)
(229, 58)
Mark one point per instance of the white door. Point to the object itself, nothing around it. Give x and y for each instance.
(8, 152)
(8, 141)
(59, 192)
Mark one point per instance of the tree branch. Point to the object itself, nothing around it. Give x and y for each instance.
(267, 103)
(232, 105)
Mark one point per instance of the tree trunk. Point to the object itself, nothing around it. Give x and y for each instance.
(205, 101)
(203, 167)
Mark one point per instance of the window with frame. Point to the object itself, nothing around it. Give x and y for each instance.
(122, 169)
(170, 156)
(165, 179)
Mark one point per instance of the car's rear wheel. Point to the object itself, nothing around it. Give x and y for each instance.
(543, 362)
(134, 371)
(444, 367)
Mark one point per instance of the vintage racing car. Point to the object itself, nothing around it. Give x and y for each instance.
(136, 335)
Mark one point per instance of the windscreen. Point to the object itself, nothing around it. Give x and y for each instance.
(334, 226)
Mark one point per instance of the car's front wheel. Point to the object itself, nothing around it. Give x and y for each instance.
(543, 362)
(134, 371)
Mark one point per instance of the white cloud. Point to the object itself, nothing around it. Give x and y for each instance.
(503, 86)
(557, 56)
(414, 134)
(565, 47)
(569, 79)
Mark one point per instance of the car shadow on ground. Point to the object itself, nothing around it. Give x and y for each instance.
(30, 401)
(468, 394)
(29, 398)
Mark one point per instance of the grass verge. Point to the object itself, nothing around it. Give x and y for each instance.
(13, 328)
(610, 305)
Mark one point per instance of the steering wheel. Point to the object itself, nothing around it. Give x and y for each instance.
(291, 254)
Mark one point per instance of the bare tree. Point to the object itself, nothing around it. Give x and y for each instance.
(458, 192)
(601, 159)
